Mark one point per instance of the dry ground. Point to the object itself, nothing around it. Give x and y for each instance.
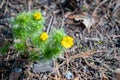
(95, 26)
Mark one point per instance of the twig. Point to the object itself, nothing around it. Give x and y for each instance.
(105, 65)
(59, 2)
(50, 23)
(12, 6)
(6, 7)
(2, 76)
(94, 12)
(57, 69)
(82, 55)
(92, 39)
(67, 61)
(63, 22)
(29, 5)
(62, 13)
(115, 36)
(3, 2)
(92, 66)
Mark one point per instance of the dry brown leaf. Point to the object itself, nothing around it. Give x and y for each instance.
(80, 17)
(71, 17)
(88, 21)
(75, 16)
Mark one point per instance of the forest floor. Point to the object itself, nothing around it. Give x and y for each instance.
(94, 25)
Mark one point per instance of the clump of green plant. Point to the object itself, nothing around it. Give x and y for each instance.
(4, 48)
(29, 38)
(5, 41)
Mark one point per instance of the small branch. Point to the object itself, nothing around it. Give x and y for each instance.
(94, 12)
(3, 2)
(93, 39)
(29, 5)
(50, 23)
(82, 55)
(6, 7)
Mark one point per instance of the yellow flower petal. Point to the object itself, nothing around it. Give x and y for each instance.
(37, 16)
(44, 36)
(67, 42)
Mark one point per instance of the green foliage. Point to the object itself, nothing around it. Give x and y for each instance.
(24, 24)
(83, 8)
(53, 47)
(27, 29)
(20, 46)
(4, 48)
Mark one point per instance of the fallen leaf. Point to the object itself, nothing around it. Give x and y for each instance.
(88, 21)
(71, 17)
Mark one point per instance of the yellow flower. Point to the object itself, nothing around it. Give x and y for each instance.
(44, 36)
(67, 41)
(37, 16)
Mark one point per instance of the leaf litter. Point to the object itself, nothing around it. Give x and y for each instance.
(96, 53)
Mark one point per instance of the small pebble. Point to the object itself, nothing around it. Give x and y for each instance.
(69, 75)
(18, 70)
